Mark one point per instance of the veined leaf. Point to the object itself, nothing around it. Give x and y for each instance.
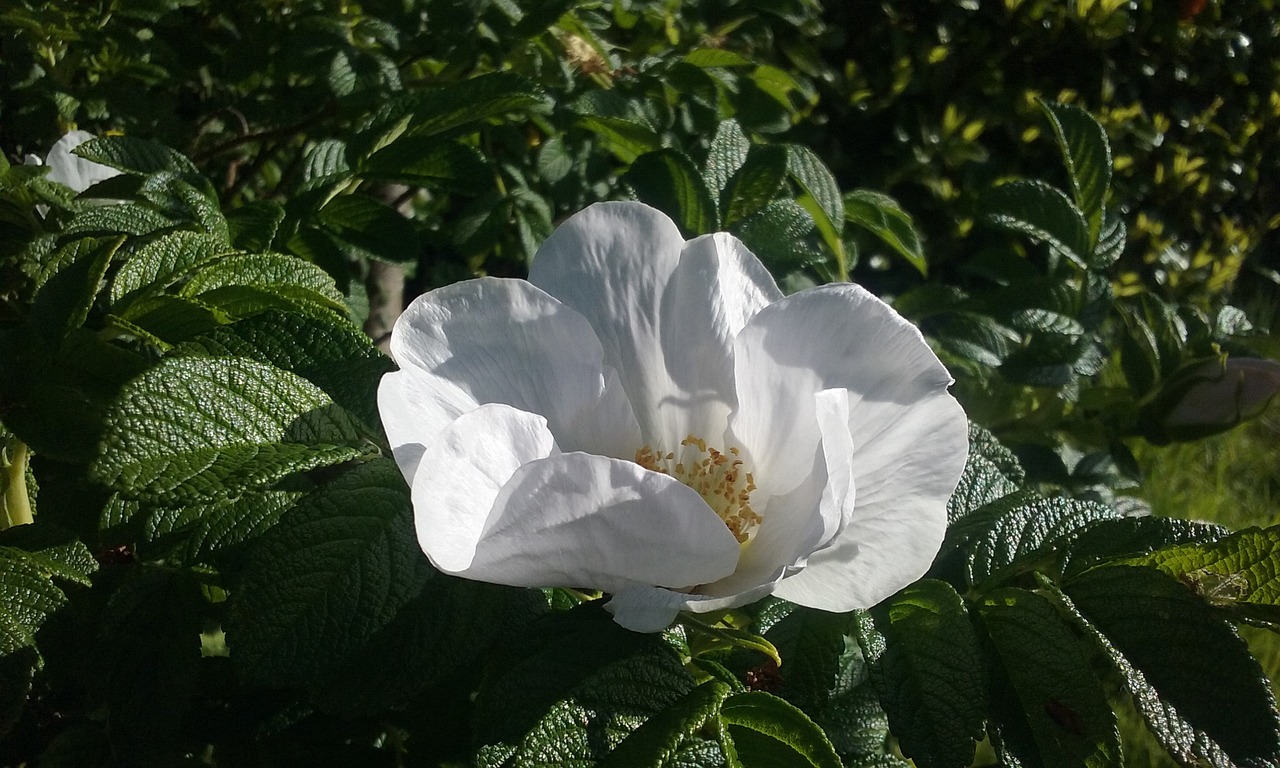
(163, 262)
(1191, 676)
(1135, 536)
(139, 157)
(755, 183)
(1241, 570)
(1041, 211)
(336, 568)
(364, 228)
(1087, 154)
(766, 730)
(198, 428)
(67, 286)
(324, 164)
(883, 217)
(657, 743)
(478, 98)
(820, 194)
(626, 139)
(207, 528)
(991, 472)
(31, 557)
(427, 161)
(1062, 704)
(781, 234)
(273, 271)
(253, 226)
(930, 675)
(728, 152)
(124, 218)
(169, 319)
(669, 181)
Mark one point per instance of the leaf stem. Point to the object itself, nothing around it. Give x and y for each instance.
(17, 504)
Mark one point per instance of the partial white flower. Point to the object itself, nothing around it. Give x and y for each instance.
(651, 418)
(69, 169)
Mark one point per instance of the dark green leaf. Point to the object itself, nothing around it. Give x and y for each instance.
(1192, 678)
(1133, 536)
(363, 228)
(755, 184)
(427, 161)
(124, 218)
(669, 181)
(337, 568)
(991, 472)
(626, 139)
(1003, 533)
(136, 156)
(1087, 154)
(273, 271)
(883, 217)
(207, 427)
(930, 676)
(205, 529)
(67, 286)
(325, 164)
(1241, 570)
(1062, 703)
(1036, 209)
(253, 226)
(728, 152)
(163, 262)
(657, 742)
(31, 557)
(767, 731)
(820, 194)
(781, 234)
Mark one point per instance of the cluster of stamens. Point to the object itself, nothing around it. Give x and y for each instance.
(717, 476)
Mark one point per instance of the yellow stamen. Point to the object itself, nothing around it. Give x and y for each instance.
(719, 477)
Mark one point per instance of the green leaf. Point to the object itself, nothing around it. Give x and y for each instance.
(755, 184)
(930, 675)
(139, 157)
(1112, 238)
(669, 181)
(205, 529)
(337, 568)
(1240, 571)
(192, 428)
(325, 164)
(122, 218)
(657, 742)
(1000, 535)
(67, 285)
(164, 261)
(626, 139)
(767, 731)
(572, 685)
(1061, 702)
(1041, 211)
(31, 557)
(820, 194)
(976, 336)
(426, 161)
(363, 228)
(716, 57)
(271, 271)
(253, 226)
(329, 352)
(18, 671)
(883, 217)
(729, 149)
(1134, 536)
(991, 472)
(1087, 153)
(1191, 676)
(436, 110)
(781, 234)
(181, 200)
(167, 320)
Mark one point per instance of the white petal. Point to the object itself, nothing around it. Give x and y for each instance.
(461, 475)
(506, 341)
(590, 521)
(907, 462)
(652, 609)
(74, 171)
(664, 311)
(808, 517)
(832, 337)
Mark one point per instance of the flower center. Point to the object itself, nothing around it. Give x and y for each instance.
(717, 476)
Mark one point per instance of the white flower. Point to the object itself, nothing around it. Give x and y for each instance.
(651, 418)
(71, 170)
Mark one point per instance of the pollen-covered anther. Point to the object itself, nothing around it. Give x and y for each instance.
(718, 476)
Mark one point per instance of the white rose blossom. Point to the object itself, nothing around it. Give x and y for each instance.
(652, 418)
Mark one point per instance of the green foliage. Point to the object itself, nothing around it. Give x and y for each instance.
(207, 555)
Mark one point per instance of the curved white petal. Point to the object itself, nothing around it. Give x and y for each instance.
(461, 474)
(831, 337)
(907, 462)
(581, 520)
(664, 310)
(652, 609)
(809, 516)
(505, 341)
(74, 171)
